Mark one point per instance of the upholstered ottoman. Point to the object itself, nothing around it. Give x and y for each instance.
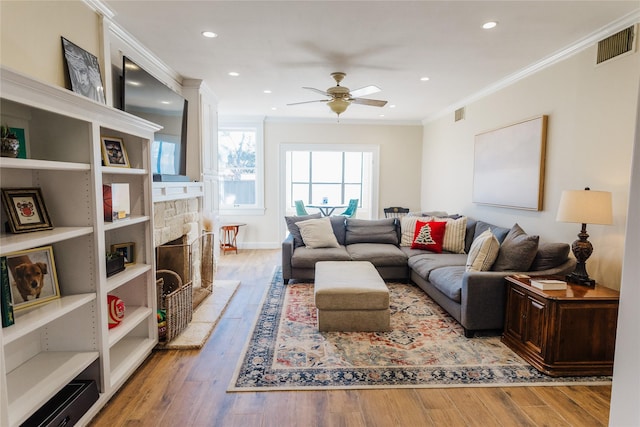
(351, 296)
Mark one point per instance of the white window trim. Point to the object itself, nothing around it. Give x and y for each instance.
(258, 124)
(370, 148)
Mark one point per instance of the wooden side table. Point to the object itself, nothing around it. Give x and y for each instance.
(228, 236)
(569, 332)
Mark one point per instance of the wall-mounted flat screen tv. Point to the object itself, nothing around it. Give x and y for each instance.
(147, 97)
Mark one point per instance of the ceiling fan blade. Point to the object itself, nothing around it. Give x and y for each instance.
(321, 92)
(372, 102)
(308, 102)
(364, 91)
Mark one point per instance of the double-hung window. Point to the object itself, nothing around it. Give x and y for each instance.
(240, 168)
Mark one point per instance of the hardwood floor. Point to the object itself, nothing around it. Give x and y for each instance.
(188, 388)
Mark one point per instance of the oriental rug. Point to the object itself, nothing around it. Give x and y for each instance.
(425, 348)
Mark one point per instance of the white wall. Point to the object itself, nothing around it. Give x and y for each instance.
(400, 154)
(592, 115)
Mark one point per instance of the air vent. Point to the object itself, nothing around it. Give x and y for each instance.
(459, 114)
(617, 44)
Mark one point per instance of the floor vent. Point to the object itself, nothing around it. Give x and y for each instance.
(459, 114)
(617, 44)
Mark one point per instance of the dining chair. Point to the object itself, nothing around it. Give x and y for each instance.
(300, 209)
(351, 208)
(395, 212)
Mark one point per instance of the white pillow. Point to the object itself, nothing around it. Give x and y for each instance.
(318, 233)
(454, 235)
(483, 252)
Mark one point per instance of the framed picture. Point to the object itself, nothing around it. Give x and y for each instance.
(127, 250)
(32, 277)
(113, 152)
(508, 168)
(83, 71)
(26, 210)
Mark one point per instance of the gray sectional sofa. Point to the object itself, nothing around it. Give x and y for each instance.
(476, 299)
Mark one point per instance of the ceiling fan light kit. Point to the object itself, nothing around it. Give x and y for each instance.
(341, 97)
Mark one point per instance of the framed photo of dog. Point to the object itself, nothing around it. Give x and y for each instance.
(32, 277)
(26, 210)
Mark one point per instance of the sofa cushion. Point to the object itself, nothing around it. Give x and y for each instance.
(304, 257)
(429, 235)
(517, 251)
(293, 228)
(371, 231)
(550, 255)
(379, 254)
(424, 264)
(499, 232)
(317, 233)
(448, 280)
(338, 222)
(483, 252)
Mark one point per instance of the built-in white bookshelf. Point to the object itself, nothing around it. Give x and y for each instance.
(68, 338)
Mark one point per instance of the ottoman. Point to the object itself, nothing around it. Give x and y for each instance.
(351, 296)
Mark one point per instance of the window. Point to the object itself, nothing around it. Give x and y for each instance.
(240, 170)
(339, 172)
(334, 176)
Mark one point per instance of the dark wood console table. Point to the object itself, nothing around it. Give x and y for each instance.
(569, 332)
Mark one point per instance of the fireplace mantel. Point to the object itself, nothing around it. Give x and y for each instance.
(167, 191)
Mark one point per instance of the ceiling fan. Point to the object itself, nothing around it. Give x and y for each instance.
(341, 97)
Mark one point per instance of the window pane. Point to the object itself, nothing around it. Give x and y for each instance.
(237, 166)
(299, 192)
(352, 167)
(332, 192)
(326, 166)
(300, 166)
(353, 191)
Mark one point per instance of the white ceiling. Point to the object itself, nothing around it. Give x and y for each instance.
(282, 46)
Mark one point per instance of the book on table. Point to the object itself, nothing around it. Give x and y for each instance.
(549, 284)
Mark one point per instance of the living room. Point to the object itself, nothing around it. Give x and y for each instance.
(593, 119)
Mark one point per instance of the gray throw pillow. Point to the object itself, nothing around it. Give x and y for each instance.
(293, 228)
(517, 251)
(371, 231)
(499, 232)
(550, 255)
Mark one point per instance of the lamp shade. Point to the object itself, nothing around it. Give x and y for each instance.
(585, 207)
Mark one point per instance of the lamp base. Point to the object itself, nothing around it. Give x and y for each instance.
(580, 280)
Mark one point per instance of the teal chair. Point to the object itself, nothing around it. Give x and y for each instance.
(300, 210)
(351, 209)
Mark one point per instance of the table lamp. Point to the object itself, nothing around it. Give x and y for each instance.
(584, 207)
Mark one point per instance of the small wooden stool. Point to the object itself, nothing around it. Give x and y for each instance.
(228, 237)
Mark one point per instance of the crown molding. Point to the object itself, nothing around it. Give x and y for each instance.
(628, 20)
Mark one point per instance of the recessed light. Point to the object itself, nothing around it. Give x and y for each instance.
(392, 106)
(266, 91)
(274, 108)
(381, 115)
(209, 34)
(234, 74)
(489, 25)
(424, 79)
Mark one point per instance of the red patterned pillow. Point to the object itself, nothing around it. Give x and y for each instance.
(429, 236)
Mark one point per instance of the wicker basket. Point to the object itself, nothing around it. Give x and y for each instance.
(176, 299)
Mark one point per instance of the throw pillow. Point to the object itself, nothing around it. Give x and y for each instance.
(293, 228)
(318, 233)
(517, 251)
(483, 252)
(429, 236)
(408, 228)
(454, 235)
(550, 255)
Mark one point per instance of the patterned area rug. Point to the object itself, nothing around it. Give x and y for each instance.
(425, 348)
